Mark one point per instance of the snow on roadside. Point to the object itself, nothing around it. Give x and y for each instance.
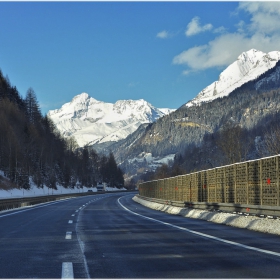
(266, 225)
(34, 191)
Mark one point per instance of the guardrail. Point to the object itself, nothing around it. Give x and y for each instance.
(11, 203)
(245, 209)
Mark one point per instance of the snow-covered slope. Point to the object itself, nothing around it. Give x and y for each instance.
(247, 67)
(91, 121)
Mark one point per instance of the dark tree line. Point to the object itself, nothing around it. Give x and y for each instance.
(234, 128)
(231, 144)
(31, 148)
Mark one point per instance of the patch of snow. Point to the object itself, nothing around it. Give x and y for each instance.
(166, 111)
(153, 162)
(266, 225)
(165, 159)
(110, 189)
(34, 191)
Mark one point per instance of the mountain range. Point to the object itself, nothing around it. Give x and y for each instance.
(145, 136)
(255, 97)
(93, 122)
(248, 66)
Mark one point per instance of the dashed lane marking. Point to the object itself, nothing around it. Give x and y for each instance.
(70, 222)
(68, 235)
(67, 270)
(73, 215)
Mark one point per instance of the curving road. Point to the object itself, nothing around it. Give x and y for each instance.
(111, 236)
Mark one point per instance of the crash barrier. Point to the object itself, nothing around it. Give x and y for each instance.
(11, 203)
(244, 209)
(253, 182)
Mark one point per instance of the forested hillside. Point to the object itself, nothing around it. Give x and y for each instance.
(32, 150)
(189, 132)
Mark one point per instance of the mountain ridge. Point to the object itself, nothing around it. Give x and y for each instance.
(248, 66)
(247, 105)
(91, 121)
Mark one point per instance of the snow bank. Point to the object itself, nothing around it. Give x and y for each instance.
(266, 225)
(34, 191)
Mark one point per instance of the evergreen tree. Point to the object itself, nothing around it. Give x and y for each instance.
(32, 107)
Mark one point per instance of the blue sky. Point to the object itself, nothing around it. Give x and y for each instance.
(163, 52)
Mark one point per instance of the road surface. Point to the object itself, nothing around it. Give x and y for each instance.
(111, 236)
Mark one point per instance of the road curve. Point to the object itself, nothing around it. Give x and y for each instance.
(111, 236)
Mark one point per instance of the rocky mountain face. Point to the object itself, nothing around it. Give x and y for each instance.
(252, 94)
(93, 122)
(248, 66)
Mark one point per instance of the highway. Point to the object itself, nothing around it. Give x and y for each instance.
(111, 236)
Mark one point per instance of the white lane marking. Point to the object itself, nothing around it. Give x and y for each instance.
(68, 235)
(70, 222)
(67, 270)
(82, 247)
(31, 208)
(77, 211)
(203, 234)
(73, 215)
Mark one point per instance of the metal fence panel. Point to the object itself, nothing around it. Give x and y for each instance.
(253, 182)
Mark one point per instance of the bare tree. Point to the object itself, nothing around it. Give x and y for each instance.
(233, 143)
(272, 140)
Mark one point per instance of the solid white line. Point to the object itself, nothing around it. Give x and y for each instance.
(67, 270)
(70, 222)
(31, 208)
(203, 234)
(68, 235)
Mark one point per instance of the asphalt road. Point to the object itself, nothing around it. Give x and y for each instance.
(111, 236)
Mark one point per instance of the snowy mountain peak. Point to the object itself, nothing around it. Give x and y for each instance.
(248, 66)
(91, 121)
(83, 98)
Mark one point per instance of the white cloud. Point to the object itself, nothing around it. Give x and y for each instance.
(164, 34)
(262, 33)
(240, 26)
(194, 27)
(265, 16)
(220, 29)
